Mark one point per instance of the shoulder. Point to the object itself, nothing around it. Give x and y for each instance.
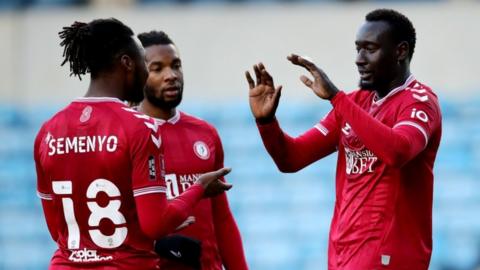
(197, 123)
(132, 119)
(419, 94)
(52, 122)
(359, 94)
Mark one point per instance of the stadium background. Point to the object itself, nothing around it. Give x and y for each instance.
(284, 218)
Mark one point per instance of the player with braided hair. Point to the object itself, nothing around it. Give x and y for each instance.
(98, 162)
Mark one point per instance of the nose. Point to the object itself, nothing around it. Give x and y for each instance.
(170, 75)
(360, 60)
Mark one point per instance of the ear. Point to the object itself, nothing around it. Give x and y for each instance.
(402, 51)
(127, 62)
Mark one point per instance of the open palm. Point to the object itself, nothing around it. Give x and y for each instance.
(321, 84)
(263, 96)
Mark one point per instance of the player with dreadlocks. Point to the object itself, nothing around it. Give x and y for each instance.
(98, 162)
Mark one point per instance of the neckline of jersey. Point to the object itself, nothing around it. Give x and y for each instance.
(98, 99)
(379, 102)
(172, 120)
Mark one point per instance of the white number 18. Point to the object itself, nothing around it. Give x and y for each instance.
(97, 213)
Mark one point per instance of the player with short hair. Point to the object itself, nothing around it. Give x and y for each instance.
(387, 135)
(98, 161)
(192, 147)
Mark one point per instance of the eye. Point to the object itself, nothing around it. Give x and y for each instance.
(155, 69)
(177, 65)
(372, 49)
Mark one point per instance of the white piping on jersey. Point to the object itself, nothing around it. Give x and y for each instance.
(173, 120)
(98, 99)
(149, 190)
(156, 141)
(415, 125)
(44, 196)
(322, 129)
(409, 80)
(152, 126)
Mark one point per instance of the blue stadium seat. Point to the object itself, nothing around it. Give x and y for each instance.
(284, 218)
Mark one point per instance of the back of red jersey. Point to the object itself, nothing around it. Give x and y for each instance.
(92, 158)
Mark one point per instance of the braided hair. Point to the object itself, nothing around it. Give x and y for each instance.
(93, 47)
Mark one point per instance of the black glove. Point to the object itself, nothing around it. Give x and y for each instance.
(181, 249)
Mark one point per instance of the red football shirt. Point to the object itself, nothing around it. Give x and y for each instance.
(384, 181)
(92, 158)
(192, 147)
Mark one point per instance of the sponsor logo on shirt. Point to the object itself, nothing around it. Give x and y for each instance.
(177, 184)
(359, 162)
(87, 255)
(358, 159)
(201, 150)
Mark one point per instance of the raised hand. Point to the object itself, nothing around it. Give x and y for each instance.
(321, 84)
(263, 96)
(213, 184)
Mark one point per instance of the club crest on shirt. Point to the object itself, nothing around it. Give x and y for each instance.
(86, 114)
(201, 150)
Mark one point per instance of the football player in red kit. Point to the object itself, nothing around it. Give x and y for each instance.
(192, 146)
(98, 162)
(387, 135)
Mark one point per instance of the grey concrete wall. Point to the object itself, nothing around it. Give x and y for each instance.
(218, 43)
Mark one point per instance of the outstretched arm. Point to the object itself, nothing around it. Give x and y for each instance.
(393, 145)
(290, 154)
(293, 154)
(159, 217)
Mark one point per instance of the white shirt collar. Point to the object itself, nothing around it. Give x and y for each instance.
(173, 120)
(409, 80)
(98, 99)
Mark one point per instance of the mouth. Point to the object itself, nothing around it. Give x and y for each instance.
(365, 75)
(172, 91)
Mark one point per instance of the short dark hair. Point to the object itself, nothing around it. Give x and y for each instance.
(94, 46)
(402, 28)
(154, 38)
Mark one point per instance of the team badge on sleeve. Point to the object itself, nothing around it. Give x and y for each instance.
(201, 150)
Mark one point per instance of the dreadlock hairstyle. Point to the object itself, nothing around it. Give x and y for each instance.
(154, 38)
(94, 46)
(401, 27)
